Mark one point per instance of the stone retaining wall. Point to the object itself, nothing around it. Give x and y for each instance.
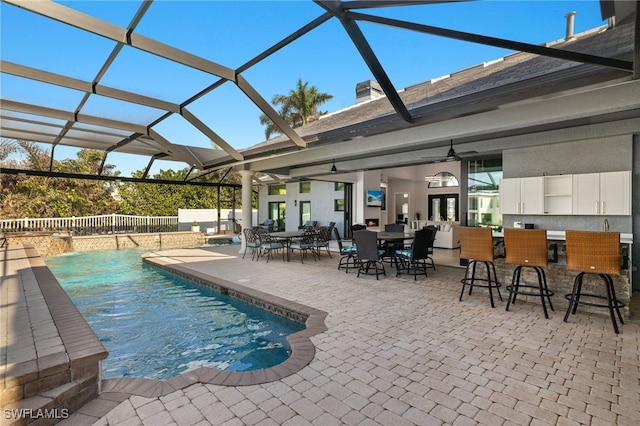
(49, 244)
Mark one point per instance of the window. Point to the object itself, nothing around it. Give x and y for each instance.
(305, 187)
(442, 180)
(338, 205)
(278, 189)
(484, 177)
(338, 186)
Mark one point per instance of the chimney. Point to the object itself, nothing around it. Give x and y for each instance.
(570, 20)
(368, 91)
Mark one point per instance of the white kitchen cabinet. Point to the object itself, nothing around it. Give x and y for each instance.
(522, 195)
(558, 194)
(602, 193)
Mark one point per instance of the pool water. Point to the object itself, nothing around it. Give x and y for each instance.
(156, 325)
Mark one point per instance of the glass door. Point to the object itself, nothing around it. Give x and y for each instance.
(305, 212)
(277, 212)
(444, 207)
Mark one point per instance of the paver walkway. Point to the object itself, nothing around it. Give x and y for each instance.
(399, 352)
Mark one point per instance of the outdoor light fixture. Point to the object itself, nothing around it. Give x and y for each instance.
(333, 168)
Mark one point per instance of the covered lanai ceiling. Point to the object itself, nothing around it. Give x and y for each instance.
(107, 109)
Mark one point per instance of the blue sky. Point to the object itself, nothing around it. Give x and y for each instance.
(232, 32)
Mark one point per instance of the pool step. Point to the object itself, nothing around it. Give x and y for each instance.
(49, 357)
(52, 405)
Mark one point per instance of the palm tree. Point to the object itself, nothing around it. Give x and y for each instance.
(298, 108)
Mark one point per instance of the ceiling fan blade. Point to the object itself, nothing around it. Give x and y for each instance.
(451, 155)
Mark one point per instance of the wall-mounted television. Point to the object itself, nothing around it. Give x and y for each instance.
(375, 198)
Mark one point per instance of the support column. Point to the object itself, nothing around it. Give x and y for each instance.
(247, 209)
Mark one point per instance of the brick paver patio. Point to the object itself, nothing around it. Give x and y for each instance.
(399, 352)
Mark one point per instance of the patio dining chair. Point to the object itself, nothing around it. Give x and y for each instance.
(389, 248)
(368, 253)
(305, 244)
(347, 253)
(416, 258)
(310, 224)
(430, 262)
(252, 241)
(269, 244)
(323, 236)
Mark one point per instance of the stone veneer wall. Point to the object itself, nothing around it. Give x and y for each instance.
(52, 245)
(560, 281)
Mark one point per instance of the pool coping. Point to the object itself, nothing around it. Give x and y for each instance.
(302, 349)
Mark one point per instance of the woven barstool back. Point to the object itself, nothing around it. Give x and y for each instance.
(476, 243)
(527, 247)
(593, 252)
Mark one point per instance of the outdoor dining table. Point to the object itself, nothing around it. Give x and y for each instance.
(384, 238)
(394, 236)
(286, 237)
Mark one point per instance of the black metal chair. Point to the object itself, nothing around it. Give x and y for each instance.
(368, 254)
(269, 244)
(252, 241)
(310, 224)
(431, 263)
(416, 258)
(389, 247)
(305, 244)
(323, 236)
(347, 253)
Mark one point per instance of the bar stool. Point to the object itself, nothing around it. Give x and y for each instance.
(476, 245)
(527, 248)
(590, 252)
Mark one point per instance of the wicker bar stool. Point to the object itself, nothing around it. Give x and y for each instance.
(590, 252)
(527, 248)
(476, 245)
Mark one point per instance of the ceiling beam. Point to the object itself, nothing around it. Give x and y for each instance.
(362, 4)
(108, 178)
(369, 57)
(217, 139)
(497, 42)
(118, 34)
(177, 151)
(86, 86)
(269, 111)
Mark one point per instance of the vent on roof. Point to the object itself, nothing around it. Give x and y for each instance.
(368, 91)
(571, 16)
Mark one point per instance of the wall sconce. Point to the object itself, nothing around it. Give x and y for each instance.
(295, 203)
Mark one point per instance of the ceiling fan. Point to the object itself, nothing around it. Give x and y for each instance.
(451, 155)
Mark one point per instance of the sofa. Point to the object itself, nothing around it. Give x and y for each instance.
(447, 235)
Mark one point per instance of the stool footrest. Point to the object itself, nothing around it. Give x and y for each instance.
(474, 282)
(538, 293)
(618, 304)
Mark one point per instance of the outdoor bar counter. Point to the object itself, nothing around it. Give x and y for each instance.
(560, 280)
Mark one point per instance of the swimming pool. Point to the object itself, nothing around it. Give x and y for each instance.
(156, 325)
